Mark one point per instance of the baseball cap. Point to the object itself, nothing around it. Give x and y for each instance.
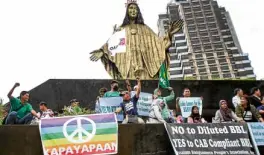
(73, 100)
(123, 93)
(43, 103)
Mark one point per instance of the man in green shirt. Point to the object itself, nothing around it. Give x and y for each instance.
(21, 112)
(165, 111)
(114, 90)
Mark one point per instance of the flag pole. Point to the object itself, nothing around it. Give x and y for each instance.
(159, 76)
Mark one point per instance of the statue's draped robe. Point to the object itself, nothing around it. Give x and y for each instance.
(145, 53)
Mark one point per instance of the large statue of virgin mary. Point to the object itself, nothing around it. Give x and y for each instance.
(144, 53)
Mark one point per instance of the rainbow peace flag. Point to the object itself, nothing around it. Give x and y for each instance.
(79, 135)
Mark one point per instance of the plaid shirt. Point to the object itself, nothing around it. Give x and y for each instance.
(47, 114)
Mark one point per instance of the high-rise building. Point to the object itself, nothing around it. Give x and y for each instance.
(207, 47)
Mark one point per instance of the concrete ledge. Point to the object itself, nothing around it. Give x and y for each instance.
(133, 139)
(20, 140)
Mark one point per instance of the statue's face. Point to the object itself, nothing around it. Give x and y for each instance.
(132, 11)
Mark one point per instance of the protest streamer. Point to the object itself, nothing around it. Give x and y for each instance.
(79, 135)
(209, 139)
(256, 131)
(186, 105)
(109, 105)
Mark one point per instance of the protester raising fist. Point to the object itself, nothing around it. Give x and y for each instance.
(17, 85)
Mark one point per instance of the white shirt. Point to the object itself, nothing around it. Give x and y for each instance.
(155, 112)
(236, 101)
(46, 114)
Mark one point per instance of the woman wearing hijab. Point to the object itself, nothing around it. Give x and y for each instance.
(195, 117)
(248, 112)
(225, 115)
(165, 111)
(155, 112)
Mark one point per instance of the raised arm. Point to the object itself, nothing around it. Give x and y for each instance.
(128, 86)
(171, 96)
(9, 95)
(139, 87)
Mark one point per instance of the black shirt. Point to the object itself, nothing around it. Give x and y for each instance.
(255, 101)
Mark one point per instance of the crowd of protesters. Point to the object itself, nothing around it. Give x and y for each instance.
(247, 108)
(21, 112)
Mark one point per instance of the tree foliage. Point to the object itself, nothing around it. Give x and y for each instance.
(69, 111)
(1, 113)
(1, 101)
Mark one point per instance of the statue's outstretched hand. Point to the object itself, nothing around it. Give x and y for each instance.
(96, 55)
(175, 26)
(116, 29)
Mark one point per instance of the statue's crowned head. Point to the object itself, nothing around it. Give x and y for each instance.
(130, 1)
(133, 13)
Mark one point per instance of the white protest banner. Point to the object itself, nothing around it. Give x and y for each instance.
(109, 105)
(210, 139)
(117, 42)
(256, 131)
(186, 104)
(144, 103)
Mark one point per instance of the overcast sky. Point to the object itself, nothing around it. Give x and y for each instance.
(41, 40)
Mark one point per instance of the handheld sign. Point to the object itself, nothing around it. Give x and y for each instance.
(109, 105)
(144, 103)
(187, 103)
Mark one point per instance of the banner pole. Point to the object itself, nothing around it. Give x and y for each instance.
(175, 151)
